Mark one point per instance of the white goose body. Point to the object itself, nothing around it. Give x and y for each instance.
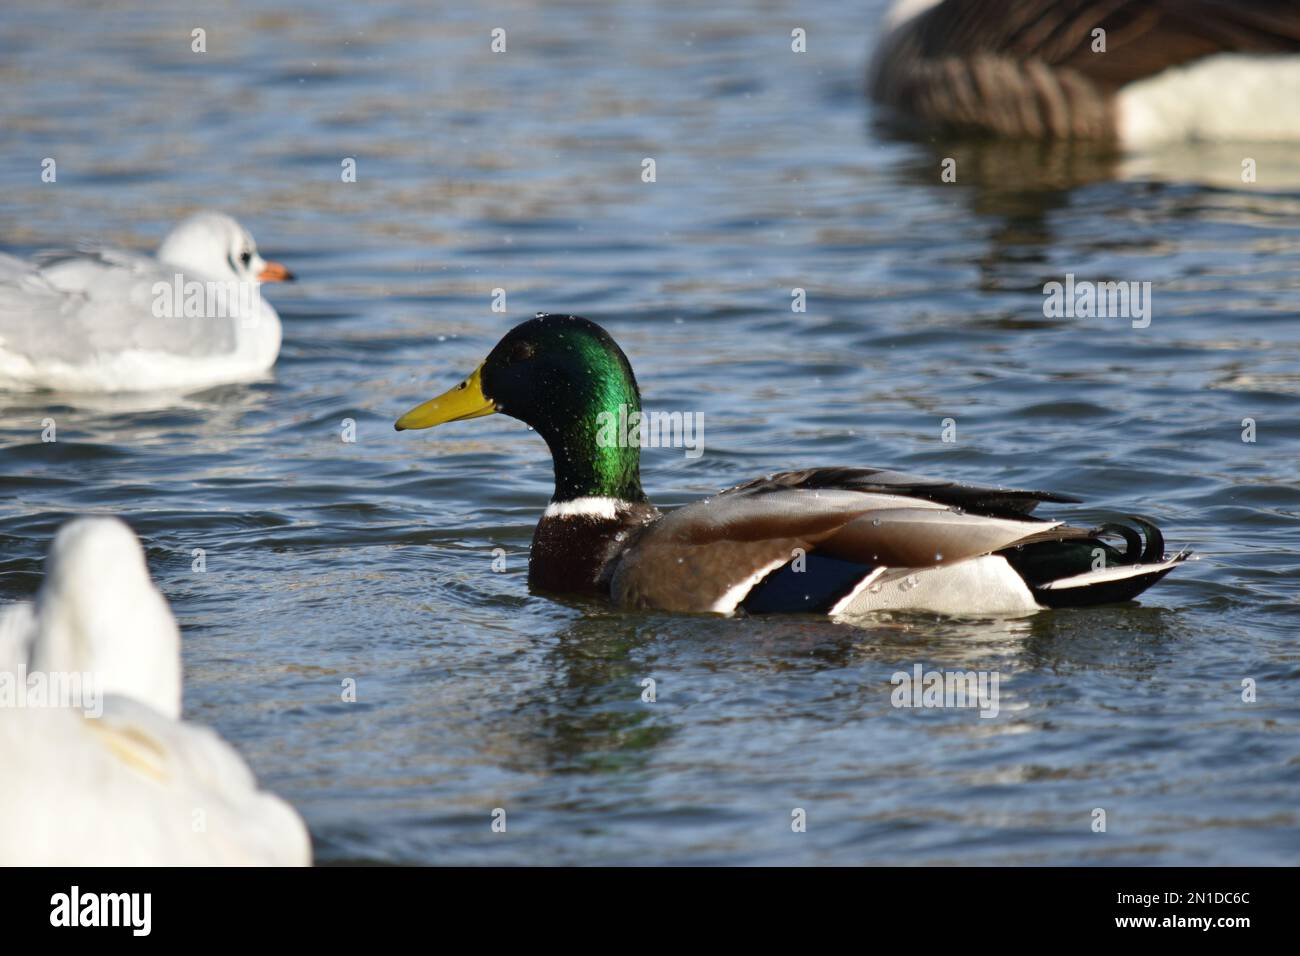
(1223, 98)
(115, 777)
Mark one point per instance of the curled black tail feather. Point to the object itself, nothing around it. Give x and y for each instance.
(1146, 547)
(1133, 544)
(1065, 552)
(1155, 549)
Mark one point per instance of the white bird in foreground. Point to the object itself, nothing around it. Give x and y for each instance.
(135, 785)
(107, 320)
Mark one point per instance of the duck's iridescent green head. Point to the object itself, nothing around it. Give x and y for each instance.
(564, 376)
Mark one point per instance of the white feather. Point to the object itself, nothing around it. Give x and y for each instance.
(847, 601)
(904, 10)
(731, 598)
(607, 508)
(83, 321)
(1103, 575)
(984, 585)
(135, 786)
(98, 612)
(1232, 97)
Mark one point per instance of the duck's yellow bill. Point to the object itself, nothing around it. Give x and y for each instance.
(466, 400)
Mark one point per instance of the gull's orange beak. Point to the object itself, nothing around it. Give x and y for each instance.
(274, 272)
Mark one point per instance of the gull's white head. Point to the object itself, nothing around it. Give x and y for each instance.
(213, 244)
(98, 612)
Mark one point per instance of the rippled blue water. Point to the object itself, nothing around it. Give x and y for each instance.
(328, 560)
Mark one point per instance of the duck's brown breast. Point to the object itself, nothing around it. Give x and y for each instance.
(574, 552)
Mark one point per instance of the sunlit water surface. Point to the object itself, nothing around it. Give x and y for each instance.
(372, 560)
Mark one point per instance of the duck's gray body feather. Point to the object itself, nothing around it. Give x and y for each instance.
(848, 540)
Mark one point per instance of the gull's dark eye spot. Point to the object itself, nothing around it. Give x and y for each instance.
(245, 257)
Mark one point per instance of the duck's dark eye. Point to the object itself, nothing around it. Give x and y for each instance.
(522, 351)
(245, 257)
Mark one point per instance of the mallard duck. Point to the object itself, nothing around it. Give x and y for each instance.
(111, 776)
(98, 319)
(836, 541)
(1162, 70)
